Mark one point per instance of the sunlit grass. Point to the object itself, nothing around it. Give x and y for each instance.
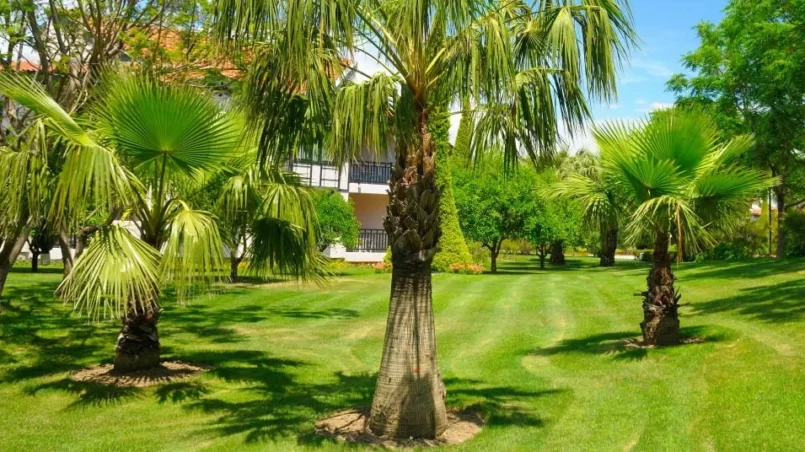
(538, 352)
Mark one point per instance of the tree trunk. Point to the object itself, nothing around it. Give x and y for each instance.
(660, 302)
(609, 245)
(66, 253)
(493, 258)
(409, 398)
(781, 235)
(557, 253)
(34, 261)
(138, 343)
(9, 251)
(234, 262)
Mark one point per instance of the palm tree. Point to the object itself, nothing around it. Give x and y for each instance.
(149, 148)
(584, 181)
(675, 172)
(525, 67)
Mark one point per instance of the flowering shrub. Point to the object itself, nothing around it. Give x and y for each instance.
(382, 267)
(467, 269)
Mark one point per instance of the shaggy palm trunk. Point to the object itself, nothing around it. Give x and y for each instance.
(557, 253)
(409, 398)
(660, 302)
(609, 244)
(138, 343)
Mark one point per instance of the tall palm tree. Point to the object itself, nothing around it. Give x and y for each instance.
(586, 183)
(140, 154)
(676, 173)
(526, 67)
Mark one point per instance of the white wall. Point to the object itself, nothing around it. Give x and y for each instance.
(370, 209)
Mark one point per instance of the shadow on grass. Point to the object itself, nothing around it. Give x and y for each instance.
(274, 404)
(784, 302)
(615, 344)
(530, 265)
(88, 394)
(748, 269)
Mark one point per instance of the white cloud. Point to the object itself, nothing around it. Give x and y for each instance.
(631, 78)
(653, 68)
(655, 106)
(640, 102)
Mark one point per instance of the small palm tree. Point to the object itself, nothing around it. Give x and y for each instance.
(143, 151)
(585, 182)
(522, 65)
(675, 173)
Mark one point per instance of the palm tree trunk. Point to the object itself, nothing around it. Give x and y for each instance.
(557, 253)
(609, 245)
(409, 398)
(660, 302)
(138, 343)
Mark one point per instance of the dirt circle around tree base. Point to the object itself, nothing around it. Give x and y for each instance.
(637, 343)
(166, 372)
(353, 426)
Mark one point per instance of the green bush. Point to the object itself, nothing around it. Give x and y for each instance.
(794, 224)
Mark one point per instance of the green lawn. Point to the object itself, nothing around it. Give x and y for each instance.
(536, 351)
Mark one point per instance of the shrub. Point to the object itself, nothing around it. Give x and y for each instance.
(467, 269)
(480, 255)
(794, 224)
(382, 267)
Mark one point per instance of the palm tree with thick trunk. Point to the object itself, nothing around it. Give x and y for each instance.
(525, 67)
(675, 172)
(143, 150)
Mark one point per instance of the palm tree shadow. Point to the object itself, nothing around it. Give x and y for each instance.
(621, 346)
(88, 394)
(783, 302)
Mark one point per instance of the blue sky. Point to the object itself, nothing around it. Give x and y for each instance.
(666, 32)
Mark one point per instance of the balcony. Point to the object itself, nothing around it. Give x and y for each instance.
(372, 240)
(370, 172)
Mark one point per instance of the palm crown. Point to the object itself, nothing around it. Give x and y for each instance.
(675, 171)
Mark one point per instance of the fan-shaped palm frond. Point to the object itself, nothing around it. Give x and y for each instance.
(151, 123)
(25, 177)
(116, 273)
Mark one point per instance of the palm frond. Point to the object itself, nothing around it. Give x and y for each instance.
(149, 121)
(117, 272)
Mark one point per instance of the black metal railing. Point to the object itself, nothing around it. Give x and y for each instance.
(314, 173)
(374, 240)
(370, 172)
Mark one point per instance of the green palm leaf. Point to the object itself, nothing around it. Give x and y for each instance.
(148, 121)
(115, 273)
(192, 258)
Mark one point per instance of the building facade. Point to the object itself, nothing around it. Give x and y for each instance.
(365, 182)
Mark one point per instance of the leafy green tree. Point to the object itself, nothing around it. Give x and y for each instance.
(676, 173)
(337, 223)
(493, 208)
(749, 72)
(519, 64)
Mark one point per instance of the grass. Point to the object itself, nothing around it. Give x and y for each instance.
(536, 351)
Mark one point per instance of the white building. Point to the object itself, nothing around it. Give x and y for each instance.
(365, 183)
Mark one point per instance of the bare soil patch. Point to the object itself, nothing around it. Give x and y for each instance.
(168, 371)
(637, 343)
(353, 426)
